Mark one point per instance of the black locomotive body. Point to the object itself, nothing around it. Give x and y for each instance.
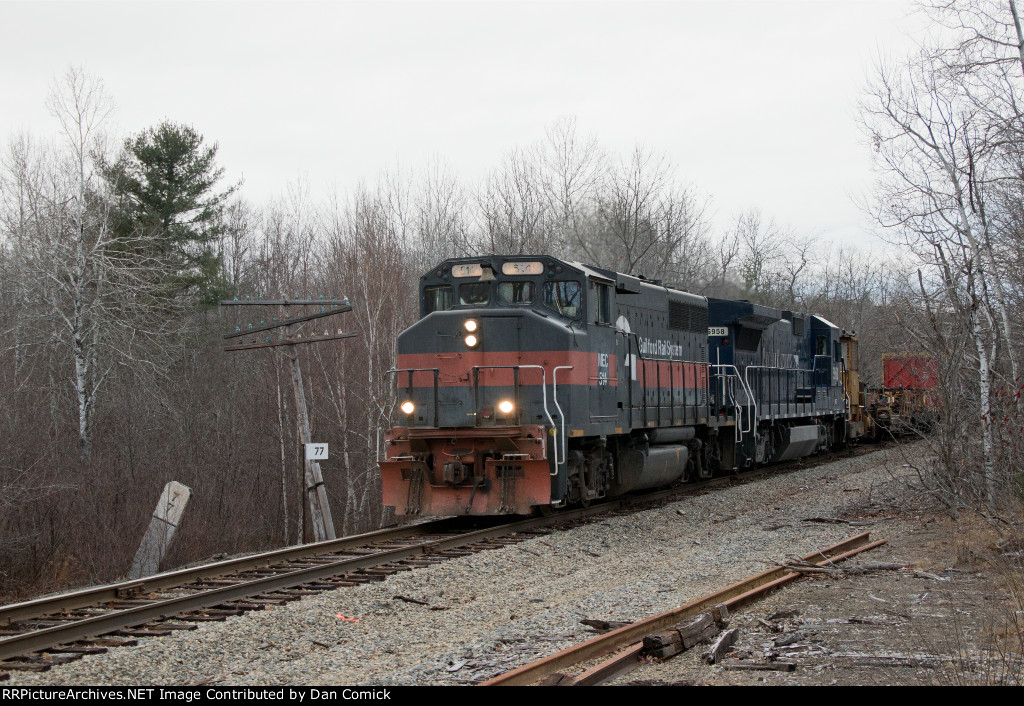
(534, 382)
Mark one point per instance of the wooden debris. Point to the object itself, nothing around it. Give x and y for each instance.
(406, 599)
(857, 620)
(698, 630)
(680, 637)
(879, 566)
(720, 614)
(760, 666)
(788, 639)
(720, 646)
(604, 625)
(892, 659)
(455, 665)
(805, 567)
(934, 577)
(784, 614)
(770, 627)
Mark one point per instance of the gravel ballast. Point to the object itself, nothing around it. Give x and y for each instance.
(495, 610)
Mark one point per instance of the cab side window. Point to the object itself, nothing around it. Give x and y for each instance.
(564, 297)
(604, 304)
(437, 299)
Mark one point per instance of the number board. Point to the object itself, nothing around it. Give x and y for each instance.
(316, 452)
(467, 271)
(522, 268)
(718, 330)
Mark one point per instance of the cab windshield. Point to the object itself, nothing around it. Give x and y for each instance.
(515, 293)
(474, 293)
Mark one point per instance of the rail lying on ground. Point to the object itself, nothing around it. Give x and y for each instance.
(733, 597)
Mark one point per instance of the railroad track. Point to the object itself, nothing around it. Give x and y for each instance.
(626, 640)
(67, 626)
(38, 634)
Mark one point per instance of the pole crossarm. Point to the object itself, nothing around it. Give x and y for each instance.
(288, 322)
(272, 344)
(283, 302)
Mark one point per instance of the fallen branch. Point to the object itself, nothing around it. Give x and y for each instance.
(760, 666)
(406, 599)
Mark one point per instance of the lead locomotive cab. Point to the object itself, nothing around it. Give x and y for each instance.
(482, 380)
(531, 381)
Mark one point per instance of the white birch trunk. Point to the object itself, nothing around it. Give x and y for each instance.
(984, 389)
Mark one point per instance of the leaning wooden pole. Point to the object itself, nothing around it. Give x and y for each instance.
(316, 492)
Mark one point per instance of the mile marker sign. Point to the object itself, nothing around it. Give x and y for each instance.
(316, 452)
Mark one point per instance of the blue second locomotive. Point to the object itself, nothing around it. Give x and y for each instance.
(532, 382)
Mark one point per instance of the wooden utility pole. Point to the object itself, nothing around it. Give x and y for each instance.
(321, 520)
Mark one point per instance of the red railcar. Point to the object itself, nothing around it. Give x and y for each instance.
(909, 372)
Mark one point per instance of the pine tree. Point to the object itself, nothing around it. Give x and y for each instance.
(165, 181)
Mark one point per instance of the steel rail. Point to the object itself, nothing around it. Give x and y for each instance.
(175, 579)
(85, 597)
(630, 659)
(94, 626)
(735, 595)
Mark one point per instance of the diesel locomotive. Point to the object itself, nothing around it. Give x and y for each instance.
(531, 382)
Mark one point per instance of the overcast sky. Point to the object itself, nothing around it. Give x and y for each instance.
(754, 102)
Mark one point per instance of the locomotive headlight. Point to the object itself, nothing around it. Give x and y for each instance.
(471, 341)
(506, 406)
(408, 407)
(470, 325)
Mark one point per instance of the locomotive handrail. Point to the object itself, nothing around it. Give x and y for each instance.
(561, 415)
(544, 395)
(795, 371)
(844, 381)
(750, 398)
